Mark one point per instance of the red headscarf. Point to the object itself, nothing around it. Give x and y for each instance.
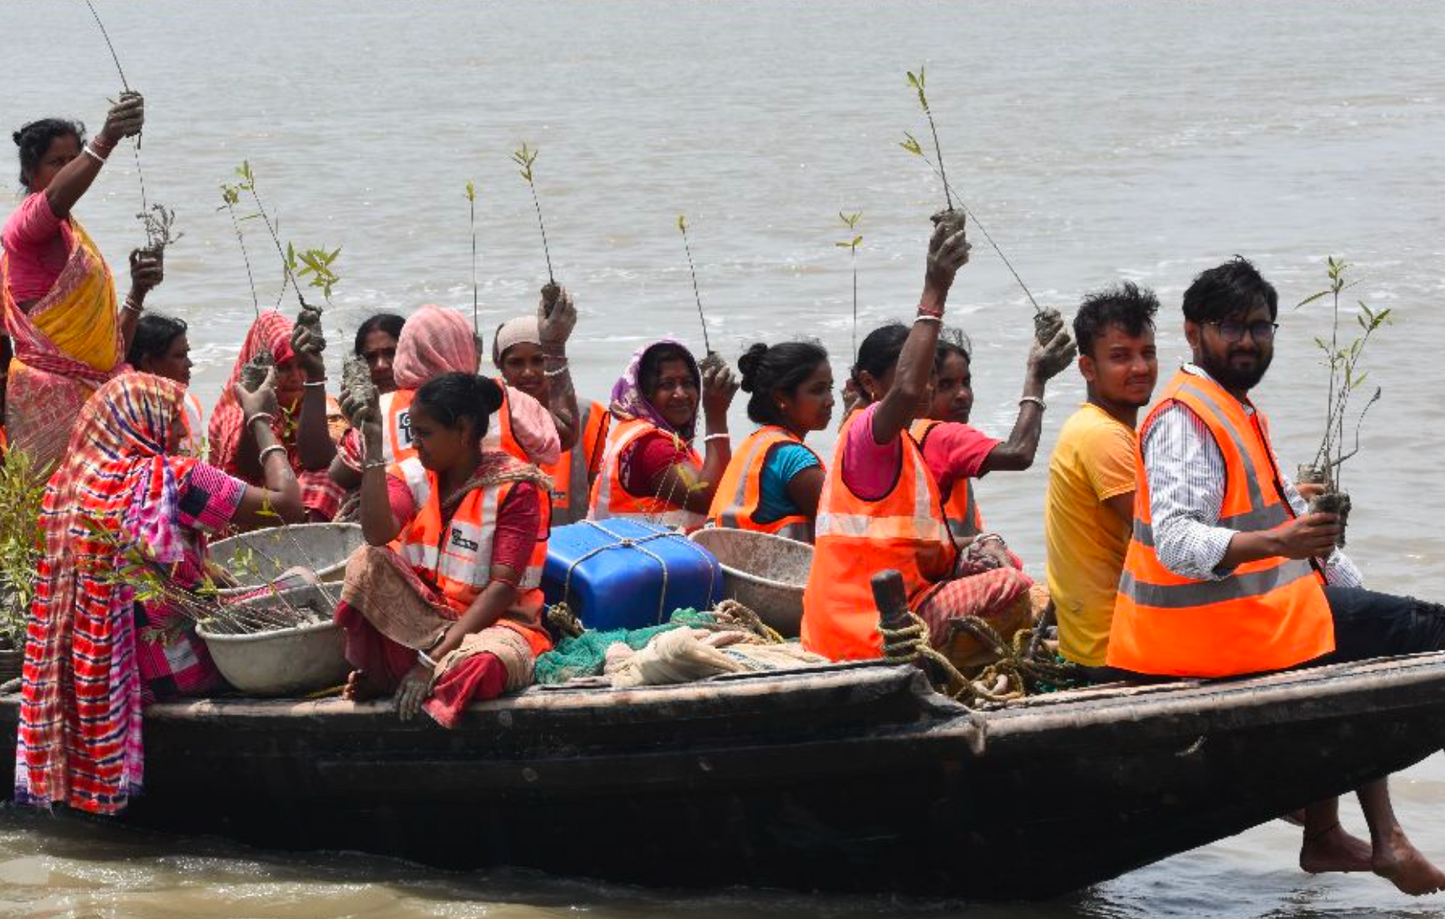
(270, 332)
(116, 493)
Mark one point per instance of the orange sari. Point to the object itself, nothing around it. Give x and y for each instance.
(66, 346)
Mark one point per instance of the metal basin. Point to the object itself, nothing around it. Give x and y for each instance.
(257, 558)
(284, 662)
(763, 572)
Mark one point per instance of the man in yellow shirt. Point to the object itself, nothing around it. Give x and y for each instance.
(1090, 505)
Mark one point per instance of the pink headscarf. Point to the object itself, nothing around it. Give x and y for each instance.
(434, 341)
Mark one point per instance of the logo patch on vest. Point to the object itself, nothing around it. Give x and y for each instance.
(403, 427)
(461, 542)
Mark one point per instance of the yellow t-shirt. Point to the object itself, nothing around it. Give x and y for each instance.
(1092, 462)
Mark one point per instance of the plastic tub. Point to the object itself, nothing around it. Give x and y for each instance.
(257, 558)
(284, 662)
(763, 572)
(612, 573)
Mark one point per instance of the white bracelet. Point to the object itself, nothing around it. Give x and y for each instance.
(922, 318)
(423, 658)
(90, 152)
(374, 464)
(320, 382)
(556, 373)
(133, 307)
(270, 418)
(711, 437)
(273, 448)
(1035, 400)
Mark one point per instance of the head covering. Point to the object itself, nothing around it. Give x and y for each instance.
(524, 330)
(270, 332)
(630, 402)
(434, 341)
(116, 493)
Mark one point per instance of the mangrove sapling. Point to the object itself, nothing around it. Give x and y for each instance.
(288, 276)
(1042, 320)
(524, 158)
(696, 294)
(851, 222)
(126, 93)
(22, 541)
(1343, 359)
(472, 214)
(231, 196)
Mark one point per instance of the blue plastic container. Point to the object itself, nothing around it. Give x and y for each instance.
(611, 573)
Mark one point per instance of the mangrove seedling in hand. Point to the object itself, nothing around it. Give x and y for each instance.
(472, 212)
(851, 222)
(231, 196)
(524, 158)
(248, 185)
(1343, 360)
(697, 296)
(914, 148)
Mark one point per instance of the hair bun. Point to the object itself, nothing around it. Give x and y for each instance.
(489, 393)
(17, 135)
(749, 363)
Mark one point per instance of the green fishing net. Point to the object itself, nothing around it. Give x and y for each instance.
(585, 654)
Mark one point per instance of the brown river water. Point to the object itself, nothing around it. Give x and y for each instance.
(1097, 141)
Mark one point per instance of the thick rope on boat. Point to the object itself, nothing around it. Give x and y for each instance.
(733, 615)
(1013, 676)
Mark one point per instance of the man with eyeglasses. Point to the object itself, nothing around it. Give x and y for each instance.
(1227, 573)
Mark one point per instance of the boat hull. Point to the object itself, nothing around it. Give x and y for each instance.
(850, 778)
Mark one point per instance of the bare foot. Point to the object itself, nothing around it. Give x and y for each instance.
(1400, 863)
(1334, 850)
(360, 688)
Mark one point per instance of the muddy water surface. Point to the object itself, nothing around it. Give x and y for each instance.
(1097, 142)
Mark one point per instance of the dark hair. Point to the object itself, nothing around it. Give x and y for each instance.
(1228, 290)
(950, 342)
(879, 352)
(35, 138)
(765, 370)
(451, 397)
(1126, 305)
(390, 323)
(154, 334)
(653, 359)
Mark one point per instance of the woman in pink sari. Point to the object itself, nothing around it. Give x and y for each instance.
(65, 332)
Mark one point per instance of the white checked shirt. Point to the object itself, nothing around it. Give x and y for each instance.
(1186, 491)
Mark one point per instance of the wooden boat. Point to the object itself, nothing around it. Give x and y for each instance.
(846, 778)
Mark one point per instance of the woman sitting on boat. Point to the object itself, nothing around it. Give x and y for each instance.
(881, 506)
(433, 342)
(300, 424)
(445, 599)
(531, 353)
(773, 481)
(956, 451)
(126, 521)
(376, 343)
(650, 471)
(67, 333)
(161, 347)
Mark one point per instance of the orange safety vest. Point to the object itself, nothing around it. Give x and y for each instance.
(964, 520)
(1267, 615)
(855, 539)
(610, 497)
(499, 432)
(740, 492)
(458, 562)
(572, 481)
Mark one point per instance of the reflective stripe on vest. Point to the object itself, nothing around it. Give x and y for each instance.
(960, 506)
(739, 494)
(611, 499)
(572, 481)
(1266, 615)
(856, 538)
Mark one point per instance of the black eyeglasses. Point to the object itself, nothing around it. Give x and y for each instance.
(1233, 331)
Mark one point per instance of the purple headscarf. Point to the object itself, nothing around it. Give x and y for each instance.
(630, 402)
